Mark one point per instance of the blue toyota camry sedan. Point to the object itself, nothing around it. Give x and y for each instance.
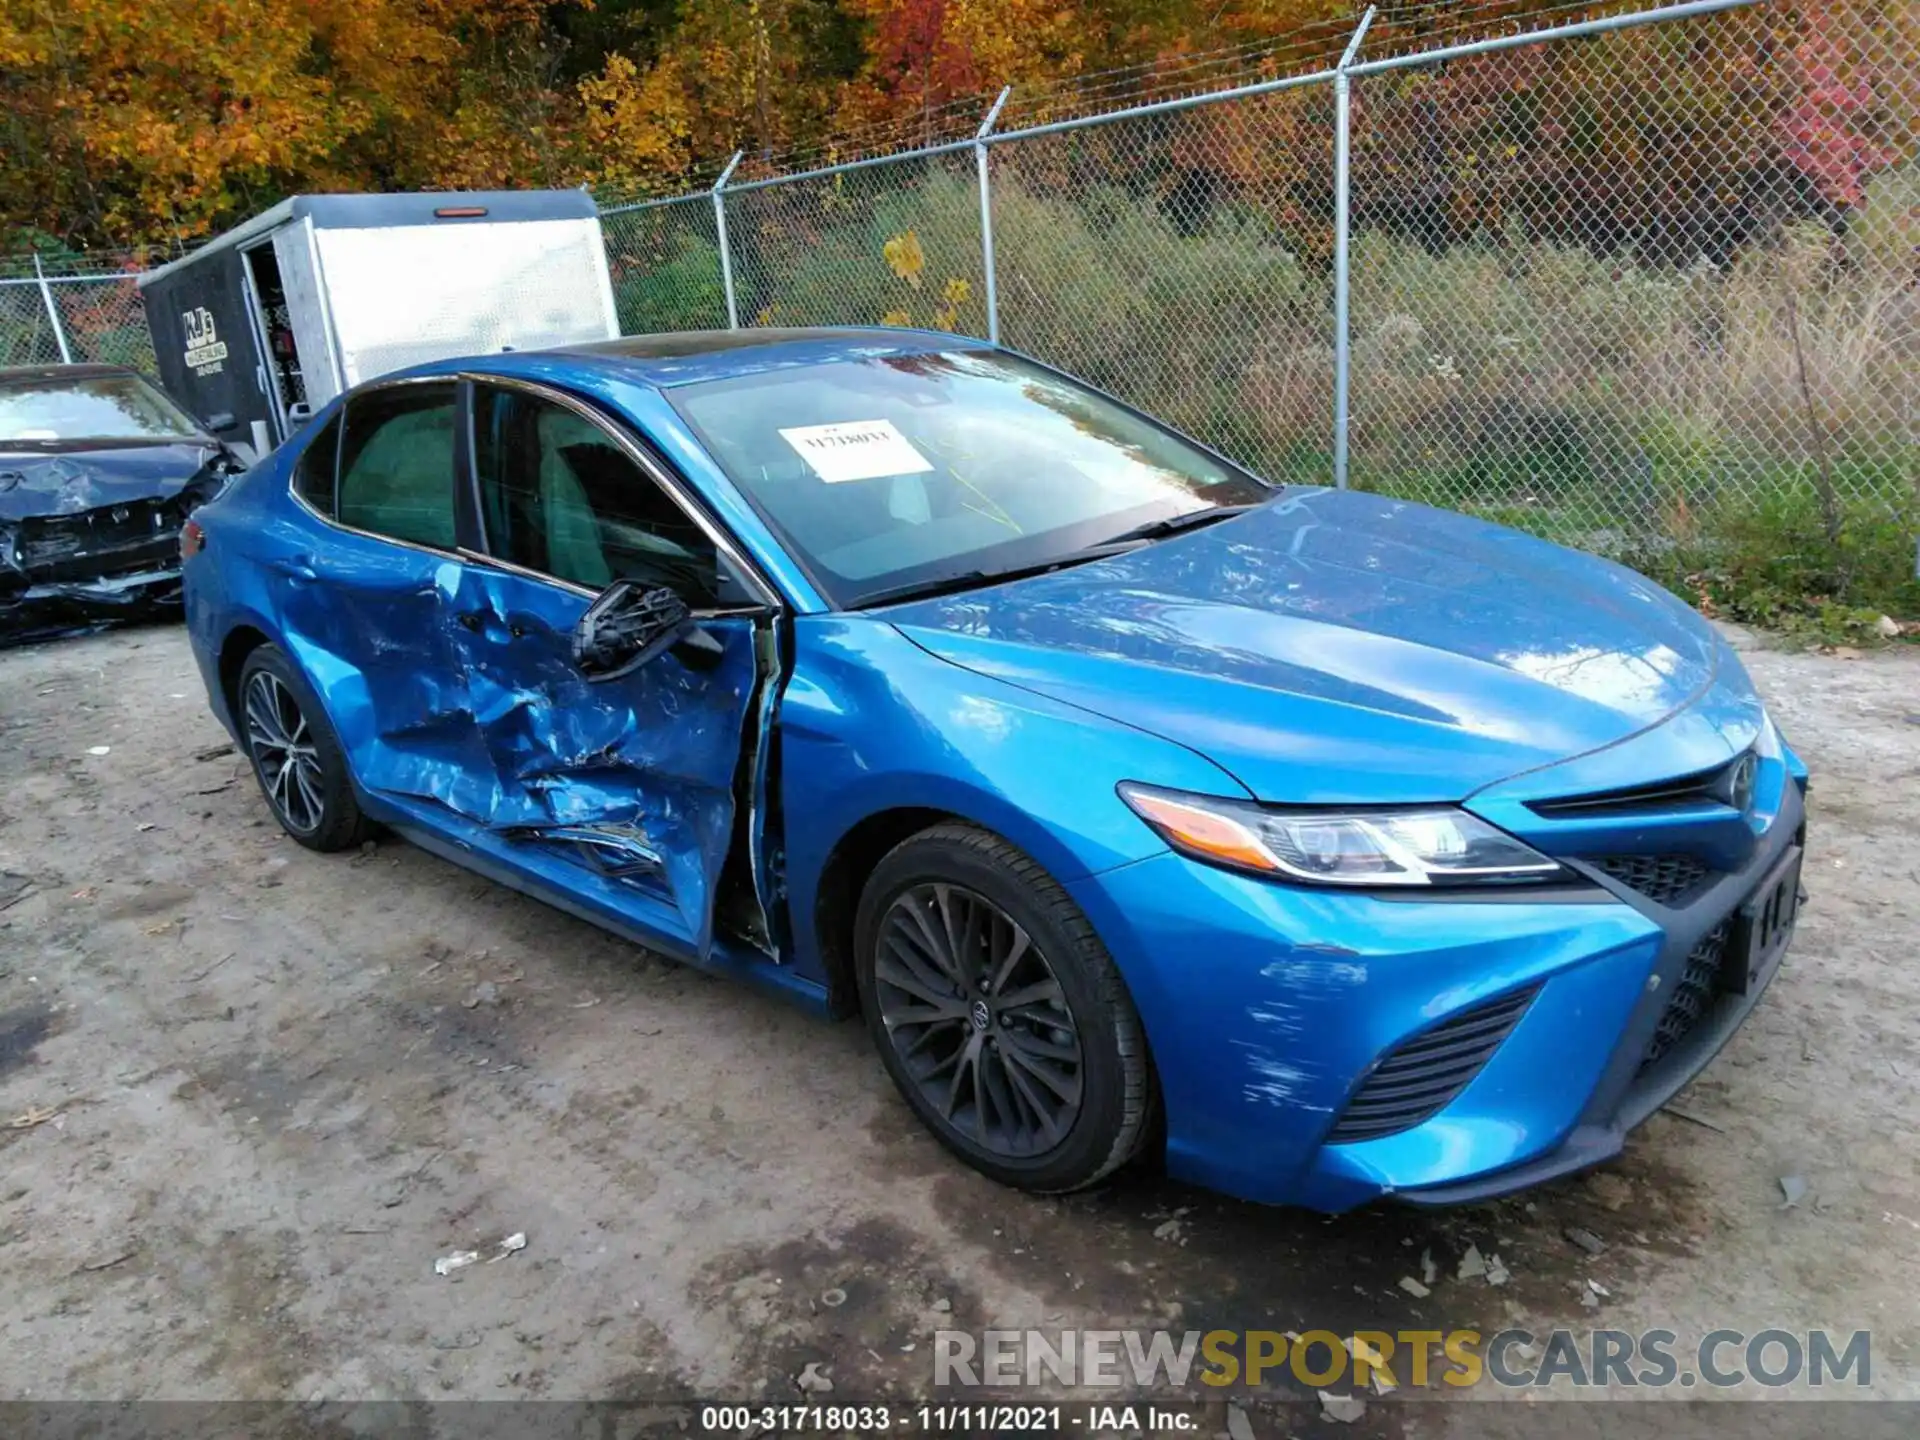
(1333, 846)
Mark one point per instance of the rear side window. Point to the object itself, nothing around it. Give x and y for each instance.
(396, 464)
(313, 471)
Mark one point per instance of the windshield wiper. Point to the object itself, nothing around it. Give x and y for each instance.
(1114, 545)
(1174, 524)
(977, 579)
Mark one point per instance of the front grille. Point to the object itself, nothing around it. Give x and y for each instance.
(1693, 994)
(1703, 787)
(97, 542)
(1422, 1076)
(1663, 879)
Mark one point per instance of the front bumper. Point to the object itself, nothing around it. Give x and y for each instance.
(74, 569)
(40, 609)
(1266, 1008)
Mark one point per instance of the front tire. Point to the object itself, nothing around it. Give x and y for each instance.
(296, 756)
(999, 1014)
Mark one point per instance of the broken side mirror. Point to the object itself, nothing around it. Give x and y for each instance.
(631, 624)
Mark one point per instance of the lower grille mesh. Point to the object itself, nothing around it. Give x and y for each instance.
(1693, 994)
(1663, 879)
(1420, 1078)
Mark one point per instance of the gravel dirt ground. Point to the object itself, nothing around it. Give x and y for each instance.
(258, 1091)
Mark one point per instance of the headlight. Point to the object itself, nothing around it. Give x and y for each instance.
(210, 484)
(1428, 845)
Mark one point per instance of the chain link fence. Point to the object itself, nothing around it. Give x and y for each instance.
(49, 318)
(1618, 286)
(1611, 281)
(893, 243)
(1179, 260)
(1617, 281)
(664, 260)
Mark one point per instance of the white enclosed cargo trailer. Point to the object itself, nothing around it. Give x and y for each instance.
(263, 325)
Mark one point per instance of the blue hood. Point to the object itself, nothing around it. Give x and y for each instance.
(1336, 646)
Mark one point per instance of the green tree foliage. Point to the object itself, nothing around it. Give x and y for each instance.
(156, 122)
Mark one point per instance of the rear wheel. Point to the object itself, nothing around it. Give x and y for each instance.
(999, 1013)
(296, 756)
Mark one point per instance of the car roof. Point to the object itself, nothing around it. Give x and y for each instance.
(18, 373)
(687, 357)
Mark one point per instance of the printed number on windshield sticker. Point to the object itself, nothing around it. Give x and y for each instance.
(856, 450)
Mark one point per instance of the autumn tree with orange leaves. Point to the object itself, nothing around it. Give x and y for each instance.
(151, 121)
(158, 122)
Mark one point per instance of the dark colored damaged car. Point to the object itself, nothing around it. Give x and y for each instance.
(1331, 845)
(98, 470)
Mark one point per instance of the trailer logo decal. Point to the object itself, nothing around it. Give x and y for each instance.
(205, 349)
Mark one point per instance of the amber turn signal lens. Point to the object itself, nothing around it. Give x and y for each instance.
(192, 540)
(1201, 832)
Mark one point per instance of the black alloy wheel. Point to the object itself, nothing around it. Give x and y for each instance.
(999, 1014)
(978, 1019)
(296, 756)
(281, 743)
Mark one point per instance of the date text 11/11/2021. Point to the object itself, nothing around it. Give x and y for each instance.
(974, 1419)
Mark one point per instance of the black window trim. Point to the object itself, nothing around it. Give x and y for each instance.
(452, 382)
(337, 422)
(670, 483)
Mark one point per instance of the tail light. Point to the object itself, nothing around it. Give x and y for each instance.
(192, 539)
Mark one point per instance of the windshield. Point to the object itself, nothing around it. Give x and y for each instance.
(92, 407)
(886, 473)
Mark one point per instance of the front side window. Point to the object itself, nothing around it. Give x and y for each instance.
(93, 407)
(900, 470)
(559, 496)
(396, 464)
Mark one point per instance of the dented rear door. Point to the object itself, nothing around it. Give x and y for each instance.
(368, 611)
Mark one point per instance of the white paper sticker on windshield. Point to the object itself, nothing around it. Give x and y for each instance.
(856, 450)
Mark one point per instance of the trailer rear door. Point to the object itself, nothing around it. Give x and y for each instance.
(307, 311)
(204, 346)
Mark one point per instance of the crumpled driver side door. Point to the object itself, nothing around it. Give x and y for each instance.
(636, 781)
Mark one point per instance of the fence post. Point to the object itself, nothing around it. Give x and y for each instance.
(1342, 227)
(986, 215)
(720, 228)
(53, 312)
